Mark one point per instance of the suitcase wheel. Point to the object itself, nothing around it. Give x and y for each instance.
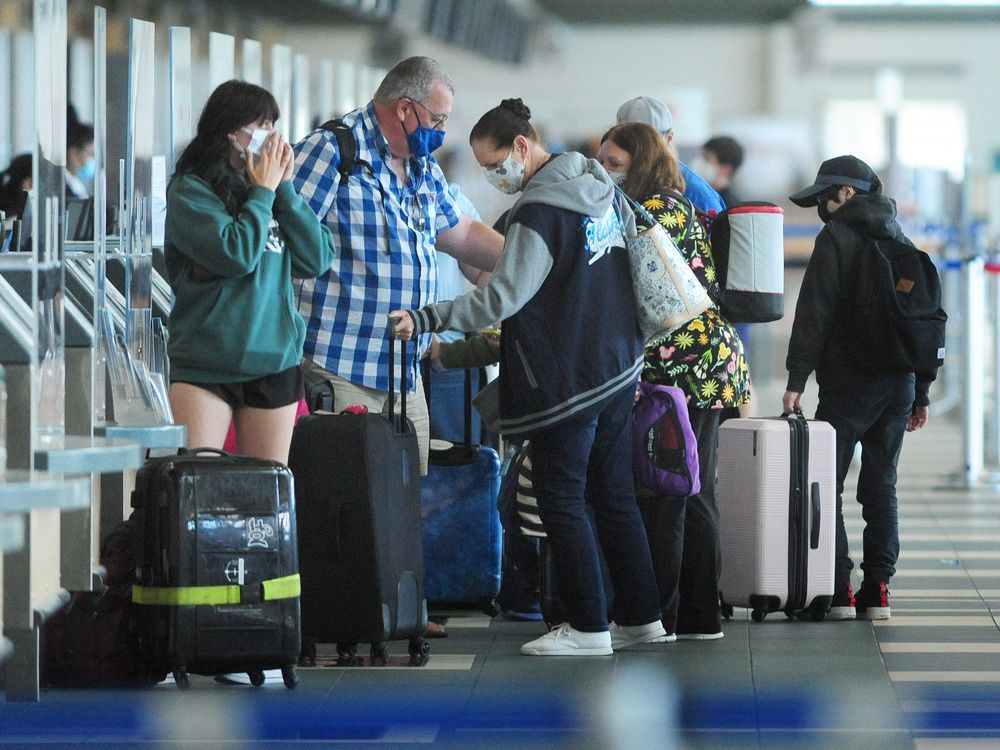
(791, 614)
(380, 653)
(256, 677)
(290, 676)
(491, 608)
(347, 655)
(182, 679)
(307, 658)
(758, 615)
(420, 650)
(817, 612)
(725, 608)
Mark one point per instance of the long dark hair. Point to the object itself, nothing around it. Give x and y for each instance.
(653, 165)
(504, 123)
(231, 106)
(11, 195)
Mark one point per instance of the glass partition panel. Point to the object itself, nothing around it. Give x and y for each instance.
(281, 86)
(6, 70)
(181, 115)
(137, 229)
(100, 204)
(49, 189)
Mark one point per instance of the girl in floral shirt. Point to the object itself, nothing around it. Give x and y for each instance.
(705, 359)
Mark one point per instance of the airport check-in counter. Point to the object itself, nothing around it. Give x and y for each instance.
(74, 454)
(11, 540)
(32, 589)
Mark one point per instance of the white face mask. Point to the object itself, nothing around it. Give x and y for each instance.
(708, 171)
(508, 176)
(257, 138)
(618, 177)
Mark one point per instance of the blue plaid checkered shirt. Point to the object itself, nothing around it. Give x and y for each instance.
(385, 233)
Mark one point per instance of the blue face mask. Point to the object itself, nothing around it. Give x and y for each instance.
(423, 141)
(88, 170)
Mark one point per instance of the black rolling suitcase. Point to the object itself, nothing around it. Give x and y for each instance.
(217, 566)
(357, 477)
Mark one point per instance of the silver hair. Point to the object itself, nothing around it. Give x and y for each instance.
(413, 78)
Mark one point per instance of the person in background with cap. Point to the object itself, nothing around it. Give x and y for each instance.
(653, 112)
(875, 409)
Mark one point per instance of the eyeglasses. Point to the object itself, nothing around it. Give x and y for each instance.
(437, 121)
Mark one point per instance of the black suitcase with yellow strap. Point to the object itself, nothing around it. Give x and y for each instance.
(217, 576)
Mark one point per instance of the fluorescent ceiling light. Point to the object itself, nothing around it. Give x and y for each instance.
(908, 3)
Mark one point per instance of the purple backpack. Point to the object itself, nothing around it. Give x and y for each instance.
(664, 449)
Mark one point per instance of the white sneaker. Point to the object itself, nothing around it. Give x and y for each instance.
(623, 636)
(668, 638)
(841, 613)
(565, 640)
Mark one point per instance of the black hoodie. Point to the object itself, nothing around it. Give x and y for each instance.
(819, 333)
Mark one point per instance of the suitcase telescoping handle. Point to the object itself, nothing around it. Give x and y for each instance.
(467, 414)
(814, 497)
(814, 494)
(393, 322)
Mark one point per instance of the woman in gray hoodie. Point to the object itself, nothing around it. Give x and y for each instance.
(570, 354)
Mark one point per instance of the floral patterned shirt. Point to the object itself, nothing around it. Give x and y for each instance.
(705, 356)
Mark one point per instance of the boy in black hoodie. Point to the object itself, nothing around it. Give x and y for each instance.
(873, 408)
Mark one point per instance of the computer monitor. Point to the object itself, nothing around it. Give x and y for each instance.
(24, 236)
(79, 219)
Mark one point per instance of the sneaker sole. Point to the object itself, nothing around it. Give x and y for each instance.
(569, 652)
(640, 639)
(699, 636)
(668, 638)
(841, 613)
(874, 613)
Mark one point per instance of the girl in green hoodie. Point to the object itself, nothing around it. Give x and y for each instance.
(236, 234)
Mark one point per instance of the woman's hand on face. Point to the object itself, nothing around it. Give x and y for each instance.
(288, 159)
(267, 169)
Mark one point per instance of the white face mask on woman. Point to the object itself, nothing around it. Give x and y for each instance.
(507, 176)
(257, 138)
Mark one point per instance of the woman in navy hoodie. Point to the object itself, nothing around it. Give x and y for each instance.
(570, 356)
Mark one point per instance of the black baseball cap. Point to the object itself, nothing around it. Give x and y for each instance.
(840, 170)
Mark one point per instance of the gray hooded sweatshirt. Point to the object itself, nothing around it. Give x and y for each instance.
(563, 291)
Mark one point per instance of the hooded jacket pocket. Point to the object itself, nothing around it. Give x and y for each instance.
(524, 364)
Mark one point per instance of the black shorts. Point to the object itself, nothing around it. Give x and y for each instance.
(269, 392)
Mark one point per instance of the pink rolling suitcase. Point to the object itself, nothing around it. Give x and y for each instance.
(776, 496)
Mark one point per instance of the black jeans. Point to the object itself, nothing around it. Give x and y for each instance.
(874, 412)
(684, 540)
(592, 456)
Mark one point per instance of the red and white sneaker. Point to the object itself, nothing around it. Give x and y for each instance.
(842, 606)
(872, 602)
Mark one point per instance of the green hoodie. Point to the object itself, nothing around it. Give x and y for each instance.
(234, 316)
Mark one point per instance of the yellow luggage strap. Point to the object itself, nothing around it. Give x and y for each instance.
(266, 591)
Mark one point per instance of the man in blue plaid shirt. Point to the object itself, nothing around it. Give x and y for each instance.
(389, 220)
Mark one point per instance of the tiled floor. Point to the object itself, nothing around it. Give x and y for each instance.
(929, 678)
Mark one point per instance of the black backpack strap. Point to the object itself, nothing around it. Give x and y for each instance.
(346, 145)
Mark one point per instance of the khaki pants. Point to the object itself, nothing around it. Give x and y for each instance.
(346, 393)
